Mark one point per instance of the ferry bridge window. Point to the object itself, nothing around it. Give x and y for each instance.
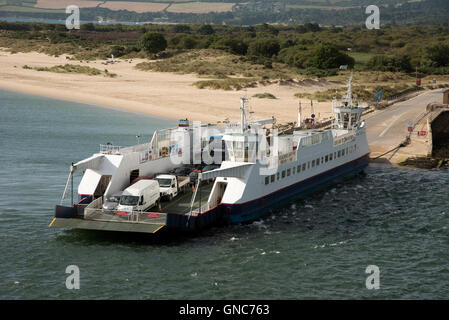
(267, 180)
(303, 166)
(283, 173)
(272, 178)
(288, 171)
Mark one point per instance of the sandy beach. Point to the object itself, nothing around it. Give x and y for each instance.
(164, 95)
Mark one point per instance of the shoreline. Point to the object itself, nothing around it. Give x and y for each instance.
(159, 94)
(93, 105)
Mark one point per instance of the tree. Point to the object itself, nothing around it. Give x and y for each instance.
(394, 63)
(182, 28)
(206, 29)
(265, 47)
(328, 57)
(231, 44)
(438, 55)
(153, 42)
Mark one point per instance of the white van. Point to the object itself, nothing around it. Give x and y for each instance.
(140, 196)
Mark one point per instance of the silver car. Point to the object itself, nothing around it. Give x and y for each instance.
(111, 202)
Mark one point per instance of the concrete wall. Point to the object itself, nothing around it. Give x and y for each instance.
(438, 130)
(446, 97)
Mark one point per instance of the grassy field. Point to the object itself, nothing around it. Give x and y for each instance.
(200, 7)
(62, 4)
(135, 6)
(28, 9)
(178, 6)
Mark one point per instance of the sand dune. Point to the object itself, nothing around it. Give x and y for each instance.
(161, 94)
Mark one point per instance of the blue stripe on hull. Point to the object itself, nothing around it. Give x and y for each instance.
(238, 213)
(252, 210)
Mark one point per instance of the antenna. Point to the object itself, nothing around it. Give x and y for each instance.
(243, 124)
(349, 94)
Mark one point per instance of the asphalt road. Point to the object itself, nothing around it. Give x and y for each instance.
(387, 128)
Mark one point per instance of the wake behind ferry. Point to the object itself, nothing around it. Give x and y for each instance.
(164, 184)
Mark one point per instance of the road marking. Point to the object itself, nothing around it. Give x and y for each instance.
(391, 124)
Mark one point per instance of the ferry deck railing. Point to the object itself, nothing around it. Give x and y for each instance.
(125, 216)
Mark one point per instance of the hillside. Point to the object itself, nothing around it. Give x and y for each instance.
(234, 12)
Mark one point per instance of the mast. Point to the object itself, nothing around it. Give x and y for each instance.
(349, 94)
(244, 100)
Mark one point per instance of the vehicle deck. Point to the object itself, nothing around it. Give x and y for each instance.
(181, 203)
(150, 221)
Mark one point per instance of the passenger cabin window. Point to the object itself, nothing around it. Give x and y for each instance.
(298, 169)
(343, 152)
(330, 156)
(339, 153)
(326, 158)
(272, 178)
(277, 176)
(317, 162)
(267, 180)
(288, 172)
(313, 163)
(283, 173)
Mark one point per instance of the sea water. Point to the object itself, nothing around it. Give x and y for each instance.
(315, 248)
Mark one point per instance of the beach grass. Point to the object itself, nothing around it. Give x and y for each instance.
(73, 68)
(223, 70)
(264, 95)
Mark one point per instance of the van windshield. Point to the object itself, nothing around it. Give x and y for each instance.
(164, 183)
(115, 199)
(129, 200)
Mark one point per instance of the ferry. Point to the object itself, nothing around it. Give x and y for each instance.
(257, 170)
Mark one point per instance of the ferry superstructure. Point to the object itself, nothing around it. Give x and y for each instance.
(260, 171)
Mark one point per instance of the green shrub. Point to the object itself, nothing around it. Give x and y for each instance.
(329, 56)
(153, 42)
